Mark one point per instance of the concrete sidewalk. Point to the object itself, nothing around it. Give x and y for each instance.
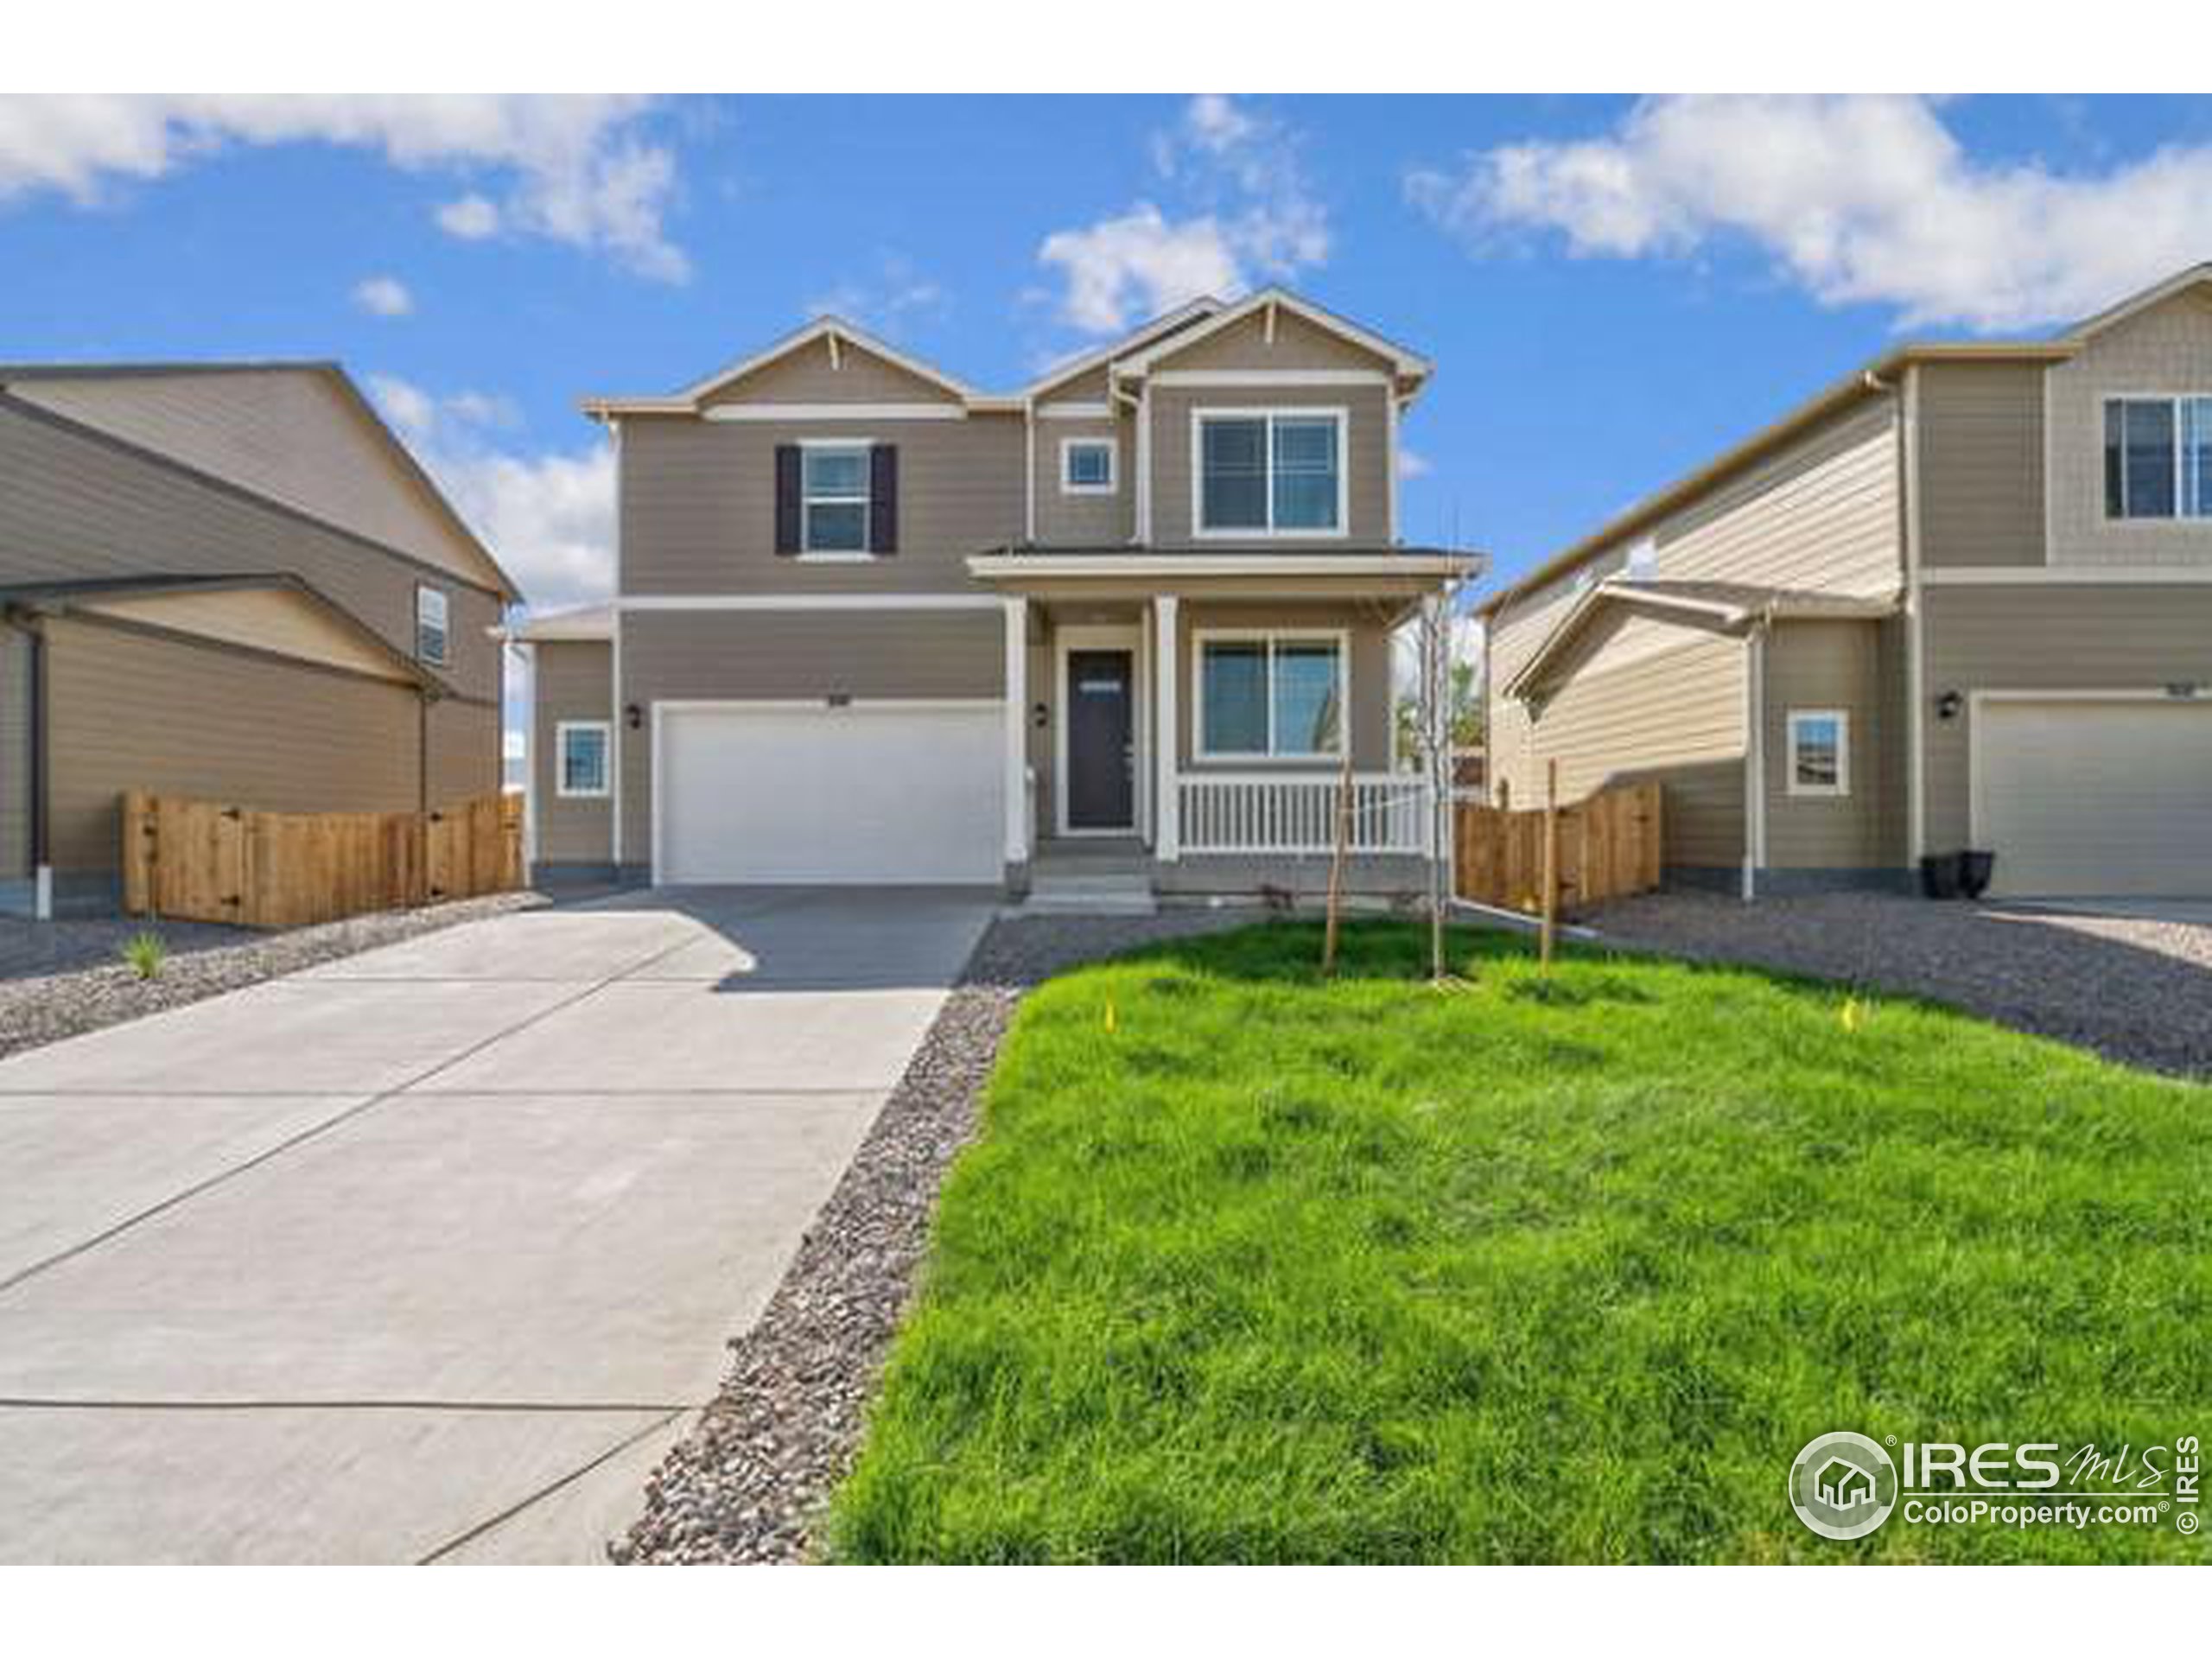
(429, 1253)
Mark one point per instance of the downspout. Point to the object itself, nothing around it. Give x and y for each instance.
(42, 784)
(1755, 756)
(421, 751)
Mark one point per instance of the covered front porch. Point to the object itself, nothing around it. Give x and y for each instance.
(1181, 730)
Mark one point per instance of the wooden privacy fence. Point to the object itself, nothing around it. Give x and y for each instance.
(1608, 848)
(206, 862)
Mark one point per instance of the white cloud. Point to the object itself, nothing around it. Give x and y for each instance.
(1246, 213)
(895, 296)
(548, 517)
(1411, 464)
(574, 168)
(1859, 200)
(384, 296)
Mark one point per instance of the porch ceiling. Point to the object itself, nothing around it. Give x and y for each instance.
(1136, 574)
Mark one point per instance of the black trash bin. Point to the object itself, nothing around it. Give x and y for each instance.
(1975, 870)
(1939, 875)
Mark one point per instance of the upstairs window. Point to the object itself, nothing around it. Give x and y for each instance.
(2158, 457)
(430, 630)
(1087, 466)
(836, 499)
(1271, 474)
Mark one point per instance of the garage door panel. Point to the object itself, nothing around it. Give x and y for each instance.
(2087, 797)
(880, 794)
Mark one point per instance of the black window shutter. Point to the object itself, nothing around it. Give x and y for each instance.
(787, 499)
(883, 499)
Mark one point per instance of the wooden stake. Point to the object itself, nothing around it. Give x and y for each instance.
(1551, 864)
(1337, 865)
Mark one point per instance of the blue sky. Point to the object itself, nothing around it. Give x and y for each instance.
(1611, 289)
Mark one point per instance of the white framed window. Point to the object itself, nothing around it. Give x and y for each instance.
(1819, 751)
(580, 749)
(1268, 695)
(2159, 457)
(1268, 472)
(1088, 466)
(432, 635)
(834, 498)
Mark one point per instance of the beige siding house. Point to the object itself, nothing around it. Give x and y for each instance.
(1963, 600)
(226, 581)
(1113, 634)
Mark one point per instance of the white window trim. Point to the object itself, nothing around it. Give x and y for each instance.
(859, 555)
(1201, 637)
(2189, 520)
(1841, 787)
(561, 730)
(1342, 417)
(444, 657)
(1113, 448)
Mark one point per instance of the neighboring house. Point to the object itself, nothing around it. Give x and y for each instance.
(1961, 598)
(229, 581)
(874, 625)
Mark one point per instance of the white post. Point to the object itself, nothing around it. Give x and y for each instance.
(1017, 729)
(1167, 721)
(43, 893)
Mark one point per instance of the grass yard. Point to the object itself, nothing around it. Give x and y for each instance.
(1251, 1267)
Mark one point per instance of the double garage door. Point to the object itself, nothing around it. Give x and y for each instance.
(2089, 798)
(880, 793)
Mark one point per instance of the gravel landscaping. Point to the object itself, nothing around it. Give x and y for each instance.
(50, 987)
(748, 1484)
(2132, 988)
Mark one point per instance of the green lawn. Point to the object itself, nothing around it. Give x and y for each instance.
(1251, 1267)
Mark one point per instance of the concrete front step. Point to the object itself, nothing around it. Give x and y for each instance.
(1094, 892)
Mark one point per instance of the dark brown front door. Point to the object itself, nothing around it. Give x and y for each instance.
(1100, 760)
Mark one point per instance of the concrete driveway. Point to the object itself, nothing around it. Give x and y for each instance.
(429, 1253)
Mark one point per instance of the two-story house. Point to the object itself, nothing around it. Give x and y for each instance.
(1962, 599)
(229, 580)
(1118, 628)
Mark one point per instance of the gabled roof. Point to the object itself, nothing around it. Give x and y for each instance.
(1720, 606)
(1166, 323)
(833, 329)
(328, 370)
(576, 622)
(1871, 380)
(91, 590)
(1407, 365)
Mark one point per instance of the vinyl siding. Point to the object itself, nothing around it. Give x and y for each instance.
(806, 376)
(268, 619)
(1367, 443)
(2165, 349)
(132, 710)
(14, 754)
(1677, 717)
(1087, 521)
(1827, 665)
(793, 655)
(570, 683)
(1369, 681)
(75, 506)
(286, 433)
(465, 760)
(2061, 638)
(699, 504)
(1981, 456)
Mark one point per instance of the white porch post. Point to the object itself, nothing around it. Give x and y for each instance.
(1017, 729)
(1167, 723)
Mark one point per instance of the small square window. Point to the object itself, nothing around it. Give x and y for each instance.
(581, 759)
(1087, 466)
(1819, 751)
(430, 630)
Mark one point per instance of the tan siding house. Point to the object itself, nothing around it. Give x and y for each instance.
(1121, 626)
(1963, 600)
(216, 582)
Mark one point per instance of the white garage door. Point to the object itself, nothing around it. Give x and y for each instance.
(2095, 798)
(876, 793)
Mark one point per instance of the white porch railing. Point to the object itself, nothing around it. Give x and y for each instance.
(1259, 813)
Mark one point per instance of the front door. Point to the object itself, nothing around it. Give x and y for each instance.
(1101, 759)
